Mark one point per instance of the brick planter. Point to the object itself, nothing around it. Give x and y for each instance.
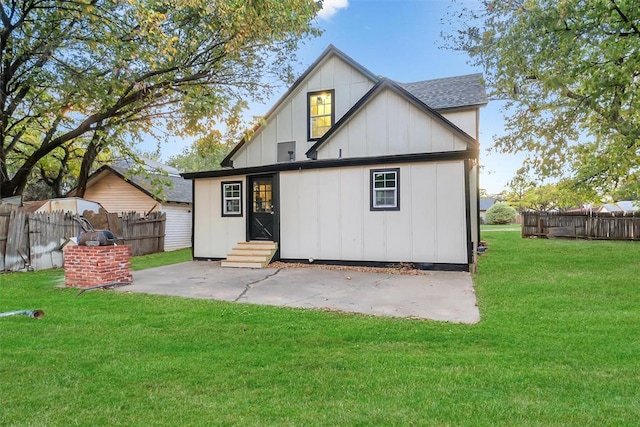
(88, 266)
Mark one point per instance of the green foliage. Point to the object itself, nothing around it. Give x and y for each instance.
(627, 189)
(501, 213)
(72, 72)
(553, 348)
(568, 71)
(524, 193)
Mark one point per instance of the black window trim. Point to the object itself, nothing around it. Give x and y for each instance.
(372, 206)
(223, 199)
(333, 110)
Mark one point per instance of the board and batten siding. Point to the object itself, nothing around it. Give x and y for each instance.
(177, 226)
(215, 235)
(467, 120)
(117, 195)
(325, 215)
(289, 121)
(390, 124)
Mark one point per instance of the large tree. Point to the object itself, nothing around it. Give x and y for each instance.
(77, 71)
(569, 71)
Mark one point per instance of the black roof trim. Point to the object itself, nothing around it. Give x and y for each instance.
(336, 163)
(382, 84)
(330, 50)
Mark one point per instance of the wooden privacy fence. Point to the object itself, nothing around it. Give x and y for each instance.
(606, 226)
(35, 240)
(144, 234)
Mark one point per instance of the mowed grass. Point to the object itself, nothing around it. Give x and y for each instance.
(558, 344)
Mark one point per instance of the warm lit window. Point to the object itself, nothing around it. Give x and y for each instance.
(232, 198)
(321, 116)
(385, 189)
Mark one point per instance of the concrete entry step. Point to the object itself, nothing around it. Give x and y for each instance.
(253, 254)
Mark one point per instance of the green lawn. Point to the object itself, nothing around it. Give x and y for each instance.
(500, 227)
(558, 344)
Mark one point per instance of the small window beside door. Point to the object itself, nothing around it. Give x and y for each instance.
(232, 198)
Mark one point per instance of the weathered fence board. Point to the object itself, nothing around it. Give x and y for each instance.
(5, 215)
(145, 234)
(35, 240)
(583, 226)
(48, 232)
(17, 250)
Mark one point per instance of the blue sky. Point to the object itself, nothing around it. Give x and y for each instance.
(400, 39)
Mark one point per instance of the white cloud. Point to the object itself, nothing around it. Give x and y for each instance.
(331, 7)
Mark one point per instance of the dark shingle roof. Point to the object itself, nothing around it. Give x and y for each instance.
(450, 92)
(180, 190)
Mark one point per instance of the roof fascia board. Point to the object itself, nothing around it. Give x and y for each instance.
(337, 163)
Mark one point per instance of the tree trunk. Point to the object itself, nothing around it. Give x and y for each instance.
(87, 162)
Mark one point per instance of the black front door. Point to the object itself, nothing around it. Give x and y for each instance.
(262, 208)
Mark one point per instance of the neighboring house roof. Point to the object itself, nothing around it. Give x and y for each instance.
(450, 92)
(485, 204)
(621, 206)
(376, 89)
(629, 205)
(180, 190)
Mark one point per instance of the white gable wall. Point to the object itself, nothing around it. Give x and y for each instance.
(389, 124)
(325, 214)
(467, 120)
(289, 121)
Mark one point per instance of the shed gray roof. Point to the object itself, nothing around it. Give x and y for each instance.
(450, 92)
(485, 204)
(180, 190)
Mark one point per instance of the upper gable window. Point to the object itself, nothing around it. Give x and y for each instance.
(321, 106)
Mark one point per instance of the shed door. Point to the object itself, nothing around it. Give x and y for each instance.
(262, 209)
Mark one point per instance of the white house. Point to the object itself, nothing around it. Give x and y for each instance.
(352, 168)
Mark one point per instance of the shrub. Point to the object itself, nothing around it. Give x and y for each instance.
(501, 213)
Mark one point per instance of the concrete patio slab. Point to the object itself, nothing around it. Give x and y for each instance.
(444, 296)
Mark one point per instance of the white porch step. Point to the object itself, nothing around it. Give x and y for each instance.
(249, 258)
(250, 252)
(253, 254)
(258, 245)
(239, 264)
